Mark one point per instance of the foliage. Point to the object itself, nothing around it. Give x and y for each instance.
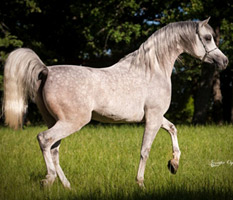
(99, 33)
(101, 163)
(227, 37)
(6, 40)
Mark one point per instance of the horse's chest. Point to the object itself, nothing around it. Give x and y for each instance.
(159, 95)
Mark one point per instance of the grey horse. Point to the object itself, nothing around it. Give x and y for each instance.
(135, 89)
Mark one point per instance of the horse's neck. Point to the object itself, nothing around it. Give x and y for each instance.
(155, 56)
(147, 58)
(169, 64)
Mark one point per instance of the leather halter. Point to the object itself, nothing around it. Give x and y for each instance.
(206, 50)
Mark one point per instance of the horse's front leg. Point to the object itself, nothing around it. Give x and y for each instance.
(174, 163)
(153, 123)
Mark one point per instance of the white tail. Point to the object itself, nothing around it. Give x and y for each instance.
(21, 73)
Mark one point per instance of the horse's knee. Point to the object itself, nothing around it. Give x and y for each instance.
(145, 153)
(172, 129)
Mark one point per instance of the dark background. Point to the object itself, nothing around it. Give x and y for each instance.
(99, 33)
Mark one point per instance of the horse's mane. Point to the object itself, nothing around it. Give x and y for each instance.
(160, 45)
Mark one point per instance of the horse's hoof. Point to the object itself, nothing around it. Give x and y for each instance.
(45, 183)
(141, 184)
(173, 166)
(48, 181)
(67, 185)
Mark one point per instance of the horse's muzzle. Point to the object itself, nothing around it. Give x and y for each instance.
(221, 62)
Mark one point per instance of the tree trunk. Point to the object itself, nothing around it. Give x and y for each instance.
(227, 94)
(217, 99)
(217, 94)
(203, 94)
(232, 103)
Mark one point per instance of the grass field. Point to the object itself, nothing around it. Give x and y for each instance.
(101, 163)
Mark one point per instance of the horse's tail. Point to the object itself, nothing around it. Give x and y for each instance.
(21, 74)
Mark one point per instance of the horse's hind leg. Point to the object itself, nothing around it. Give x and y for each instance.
(55, 158)
(50, 121)
(174, 163)
(47, 139)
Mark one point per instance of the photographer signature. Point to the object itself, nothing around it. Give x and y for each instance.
(219, 163)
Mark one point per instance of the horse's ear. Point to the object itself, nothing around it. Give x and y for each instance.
(203, 23)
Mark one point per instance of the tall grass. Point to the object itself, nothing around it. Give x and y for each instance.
(101, 163)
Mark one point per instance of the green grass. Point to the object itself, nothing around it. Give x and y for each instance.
(101, 163)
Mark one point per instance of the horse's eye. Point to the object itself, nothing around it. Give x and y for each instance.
(208, 38)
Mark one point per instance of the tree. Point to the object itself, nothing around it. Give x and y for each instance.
(210, 79)
(208, 94)
(9, 40)
(75, 32)
(99, 33)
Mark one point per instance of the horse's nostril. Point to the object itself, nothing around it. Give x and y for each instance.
(225, 61)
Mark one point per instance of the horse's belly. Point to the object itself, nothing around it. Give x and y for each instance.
(107, 117)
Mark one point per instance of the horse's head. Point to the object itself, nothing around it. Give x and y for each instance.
(206, 49)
